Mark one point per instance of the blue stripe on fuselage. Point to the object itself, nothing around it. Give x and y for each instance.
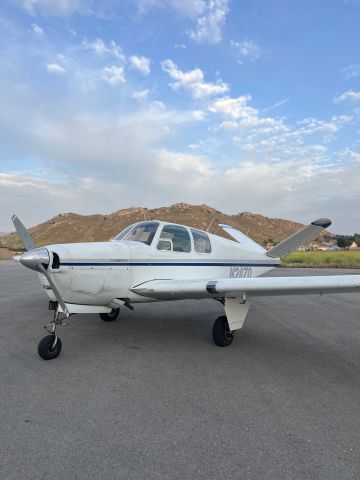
(166, 264)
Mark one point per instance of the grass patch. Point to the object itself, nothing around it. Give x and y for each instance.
(339, 259)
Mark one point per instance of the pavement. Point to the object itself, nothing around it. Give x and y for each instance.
(150, 396)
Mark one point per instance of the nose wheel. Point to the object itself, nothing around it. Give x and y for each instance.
(221, 333)
(49, 347)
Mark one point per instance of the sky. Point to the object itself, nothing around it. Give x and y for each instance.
(242, 105)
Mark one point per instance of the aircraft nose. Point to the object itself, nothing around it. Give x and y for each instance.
(32, 258)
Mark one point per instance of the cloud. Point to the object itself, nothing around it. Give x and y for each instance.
(210, 22)
(141, 95)
(37, 30)
(56, 8)
(186, 8)
(193, 81)
(142, 64)
(276, 105)
(349, 96)
(113, 75)
(246, 50)
(351, 71)
(281, 175)
(100, 48)
(239, 114)
(55, 68)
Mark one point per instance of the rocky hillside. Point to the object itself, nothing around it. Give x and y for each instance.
(70, 227)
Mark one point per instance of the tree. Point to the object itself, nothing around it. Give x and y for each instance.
(357, 239)
(344, 241)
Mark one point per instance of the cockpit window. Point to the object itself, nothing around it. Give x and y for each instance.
(201, 241)
(122, 234)
(143, 232)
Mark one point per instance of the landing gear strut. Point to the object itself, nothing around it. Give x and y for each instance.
(50, 346)
(221, 333)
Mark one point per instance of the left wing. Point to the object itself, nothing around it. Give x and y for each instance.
(235, 287)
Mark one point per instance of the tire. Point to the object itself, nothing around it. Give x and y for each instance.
(110, 317)
(221, 333)
(45, 350)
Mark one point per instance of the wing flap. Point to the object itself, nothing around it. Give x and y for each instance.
(233, 287)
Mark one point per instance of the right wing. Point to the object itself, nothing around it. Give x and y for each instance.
(235, 287)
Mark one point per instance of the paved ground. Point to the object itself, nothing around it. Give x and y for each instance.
(151, 397)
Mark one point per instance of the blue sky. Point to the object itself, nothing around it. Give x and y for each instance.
(245, 106)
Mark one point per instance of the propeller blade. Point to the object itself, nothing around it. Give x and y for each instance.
(57, 294)
(24, 235)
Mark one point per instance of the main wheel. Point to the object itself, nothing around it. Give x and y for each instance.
(46, 348)
(221, 333)
(110, 317)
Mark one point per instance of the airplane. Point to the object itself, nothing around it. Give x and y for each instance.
(157, 261)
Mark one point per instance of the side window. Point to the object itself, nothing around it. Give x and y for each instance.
(175, 236)
(201, 241)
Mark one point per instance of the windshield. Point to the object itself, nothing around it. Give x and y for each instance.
(143, 232)
(122, 234)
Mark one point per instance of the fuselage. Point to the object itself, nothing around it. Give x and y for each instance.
(97, 273)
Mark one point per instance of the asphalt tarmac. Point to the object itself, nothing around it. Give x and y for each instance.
(150, 396)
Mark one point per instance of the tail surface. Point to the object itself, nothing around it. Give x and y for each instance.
(302, 237)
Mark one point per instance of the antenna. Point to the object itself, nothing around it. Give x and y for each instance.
(210, 224)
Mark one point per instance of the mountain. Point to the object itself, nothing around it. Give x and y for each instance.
(71, 227)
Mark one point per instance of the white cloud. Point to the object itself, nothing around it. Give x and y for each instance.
(193, 81)
(113, 75)
(349, 96)
(239, 114)
(55, 68)
(142, 64)
(276, 105)
(37, 30)
(59, 8)
(97, 46)
(141, 95)
(233, 107)
(351, 71)
(186, 8)
(210, 22)
(246, 50)
(279, 175)
(100, 48)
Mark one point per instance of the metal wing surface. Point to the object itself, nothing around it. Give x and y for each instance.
(235, 287)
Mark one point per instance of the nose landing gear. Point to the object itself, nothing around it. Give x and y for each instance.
(50, 346)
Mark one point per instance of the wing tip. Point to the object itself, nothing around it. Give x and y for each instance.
(322, 222)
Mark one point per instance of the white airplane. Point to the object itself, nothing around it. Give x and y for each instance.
(156, 260)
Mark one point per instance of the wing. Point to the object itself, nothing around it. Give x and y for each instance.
(235, 287)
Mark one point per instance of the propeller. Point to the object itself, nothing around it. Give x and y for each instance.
(37, 259)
